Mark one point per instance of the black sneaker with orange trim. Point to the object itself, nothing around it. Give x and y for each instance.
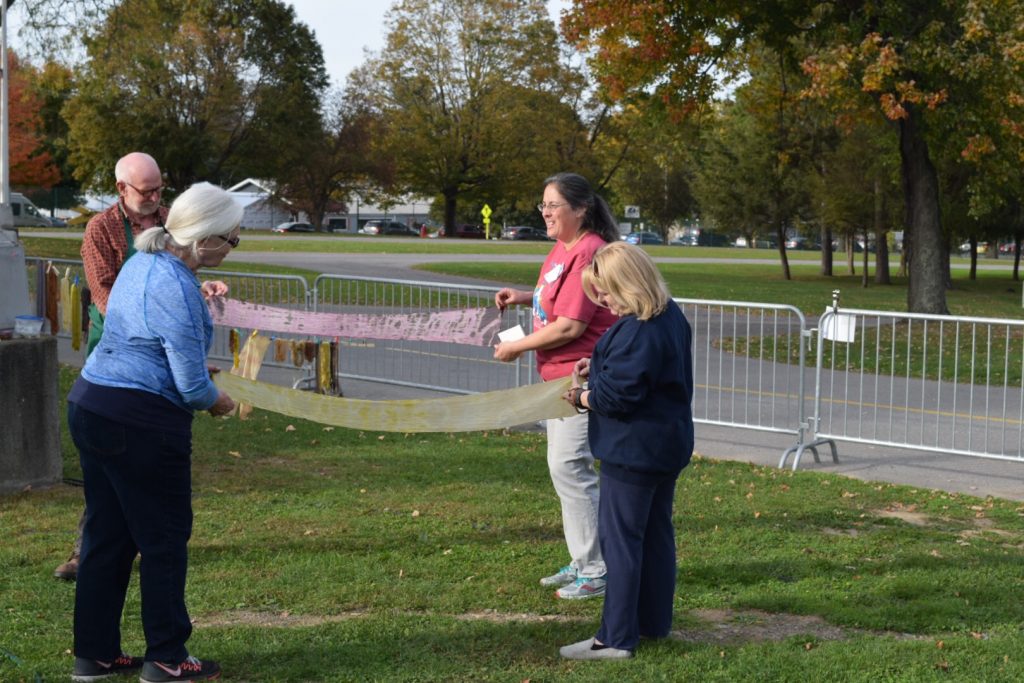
(191, 669)
(94, 670)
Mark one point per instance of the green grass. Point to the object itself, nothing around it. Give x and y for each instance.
(338, 555)
(993, 294)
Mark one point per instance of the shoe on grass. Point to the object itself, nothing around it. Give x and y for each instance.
(68, 570)
(191, 669)
(589, 650)
(583, 587)
(94, 670)
(562, 577)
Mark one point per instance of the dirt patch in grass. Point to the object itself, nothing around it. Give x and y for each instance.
(720, 626)
(745, 626)
(908, 516)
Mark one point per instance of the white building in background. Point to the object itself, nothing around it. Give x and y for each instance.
(261, 210)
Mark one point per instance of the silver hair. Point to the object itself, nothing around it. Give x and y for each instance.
(203, 210)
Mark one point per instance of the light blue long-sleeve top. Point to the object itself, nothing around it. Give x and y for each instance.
(157, 333)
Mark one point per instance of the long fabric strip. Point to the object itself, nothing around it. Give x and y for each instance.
(475, 326)
(489, 410)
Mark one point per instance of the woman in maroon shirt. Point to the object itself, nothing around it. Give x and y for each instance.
(566, 326)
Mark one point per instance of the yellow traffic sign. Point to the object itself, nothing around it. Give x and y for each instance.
(486, 213)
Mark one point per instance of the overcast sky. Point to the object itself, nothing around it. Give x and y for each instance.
(345, 27)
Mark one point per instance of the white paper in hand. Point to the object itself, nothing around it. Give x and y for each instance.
(512, 334)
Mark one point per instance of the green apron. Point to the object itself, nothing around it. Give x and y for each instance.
(95, 317)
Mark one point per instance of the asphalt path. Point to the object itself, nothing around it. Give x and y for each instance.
(954, 473)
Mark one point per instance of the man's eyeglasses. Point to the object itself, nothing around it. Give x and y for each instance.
(550, 205)
(146, 193)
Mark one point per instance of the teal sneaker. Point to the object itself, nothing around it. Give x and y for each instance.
(563, 577)
(583, 587)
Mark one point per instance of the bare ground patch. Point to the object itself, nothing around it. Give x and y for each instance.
(720, 626)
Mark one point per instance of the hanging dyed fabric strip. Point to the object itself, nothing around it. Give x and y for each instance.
(489, 410)
(475, 326)
(250, 361)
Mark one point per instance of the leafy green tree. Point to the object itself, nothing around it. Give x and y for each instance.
(917, 61)
(217, 90)
(332, 162)
(477, 100)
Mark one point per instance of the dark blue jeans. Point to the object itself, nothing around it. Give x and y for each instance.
(138, 499)
(639, 548)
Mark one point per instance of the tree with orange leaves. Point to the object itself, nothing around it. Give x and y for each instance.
(31, 165)
(923, 63)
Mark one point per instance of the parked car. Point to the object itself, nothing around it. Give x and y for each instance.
(802, 243)
(524, 232)
(293, 226)
(712, 239)
(1007, 248)
(464, 231)
(383, 227)
(684, 241)
(644, 238)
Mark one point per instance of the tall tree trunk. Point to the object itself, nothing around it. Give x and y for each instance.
(1016, 257)
(864, 266)
(851, 258)
(927, 290)
(780, 235)
(826, 251)
(451, 196)
(974, 258)
(881, 242)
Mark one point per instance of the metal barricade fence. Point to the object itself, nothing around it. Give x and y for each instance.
(35, 268)
(438, 366)
(748, 365)
(937, 383)
(947, 384)
(282, 291)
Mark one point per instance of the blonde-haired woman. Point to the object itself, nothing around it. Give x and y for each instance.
(638, 394)
(130, 416)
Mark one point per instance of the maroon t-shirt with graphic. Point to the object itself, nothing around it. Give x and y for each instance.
(559, 292)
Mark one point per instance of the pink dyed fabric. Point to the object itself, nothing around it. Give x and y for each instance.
(473, 326)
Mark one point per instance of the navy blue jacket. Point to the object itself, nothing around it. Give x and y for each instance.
(641, 388)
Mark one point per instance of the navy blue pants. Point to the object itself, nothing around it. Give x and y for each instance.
(138, 499)
(639, 548)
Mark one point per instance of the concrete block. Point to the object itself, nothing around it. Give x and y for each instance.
(29, 420)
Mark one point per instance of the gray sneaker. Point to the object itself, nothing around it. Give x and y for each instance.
(562, 577)
(585, 650)
(582, 588)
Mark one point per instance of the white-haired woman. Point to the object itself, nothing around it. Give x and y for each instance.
(130, 416)
(641, 429)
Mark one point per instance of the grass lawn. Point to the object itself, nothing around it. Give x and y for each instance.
(993, 294)
(325, 554)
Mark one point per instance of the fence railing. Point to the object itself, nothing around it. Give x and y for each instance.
(948, 384)
(437, 366)
(935, 383)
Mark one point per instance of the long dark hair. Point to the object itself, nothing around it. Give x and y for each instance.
(580, 195)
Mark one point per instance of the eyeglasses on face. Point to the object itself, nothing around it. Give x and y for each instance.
(233, 241)
(146, 193)
(550, 205)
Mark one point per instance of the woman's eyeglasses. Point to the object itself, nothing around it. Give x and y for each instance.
(550, 205)
(233, 241)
